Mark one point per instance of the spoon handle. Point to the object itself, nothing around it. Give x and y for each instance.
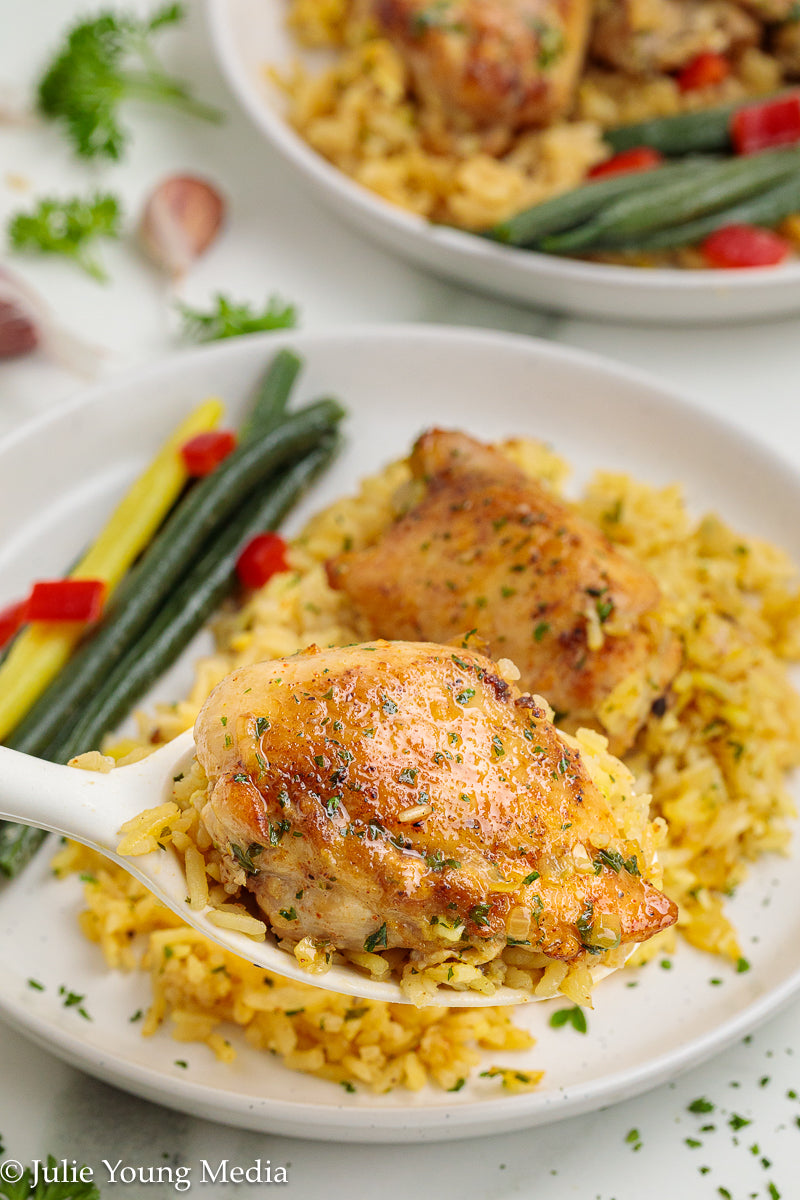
(86, 805)
(79, 804)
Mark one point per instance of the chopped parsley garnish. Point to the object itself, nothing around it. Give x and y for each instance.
(74, 1000)
(245, 857)
(742, 965)
(409, 775)
(479, 914)
(262, 725)
(437, 862)
(465, 696)
(541, 629)
(604, 609)
(701, 1105)
(377, 940)
(288, 914)
(585, 922)
(609, 858)
(277, 831)
(534, 875)
(574, 1016)
(388, 706)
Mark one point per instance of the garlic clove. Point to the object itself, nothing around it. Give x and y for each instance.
(27, 323)
(182, 218)
(18, 332)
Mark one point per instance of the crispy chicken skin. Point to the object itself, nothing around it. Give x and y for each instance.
(488, 548)
(645, 36)
(390, 794)
(489, 66)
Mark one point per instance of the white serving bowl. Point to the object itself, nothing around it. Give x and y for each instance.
(249, 35)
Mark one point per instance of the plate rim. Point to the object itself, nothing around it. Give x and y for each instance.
(336, 1121)
(329, 179)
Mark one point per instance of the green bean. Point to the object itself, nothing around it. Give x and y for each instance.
(717, 187)
(685, 133)
(189, 607)
(186, 611)
(170, 555)
(570, 208)
(273, 393)
(767, 209)
(18, 844)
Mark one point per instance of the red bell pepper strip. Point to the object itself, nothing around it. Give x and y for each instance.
(263, 556)
(12, 618)
(66, 600)
(706, 70)
(762, 126)
(203, 453)
(639, 158)
(744, 246)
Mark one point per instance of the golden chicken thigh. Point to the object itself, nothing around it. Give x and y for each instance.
(490, 549)
(489, 66)
(404, 795)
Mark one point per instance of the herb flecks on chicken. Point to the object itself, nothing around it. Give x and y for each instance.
(491, 67)
(489, 549)
(405, 795)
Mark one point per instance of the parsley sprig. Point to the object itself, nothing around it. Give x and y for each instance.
(68, 227)
(228, 319)
(102, 62)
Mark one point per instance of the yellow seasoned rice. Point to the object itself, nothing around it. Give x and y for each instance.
(360, 114)
(715, 764)
(202, 991)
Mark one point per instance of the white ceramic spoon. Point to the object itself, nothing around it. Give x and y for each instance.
(90, 807)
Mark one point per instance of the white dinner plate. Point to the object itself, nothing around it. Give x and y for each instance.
(60, 476)
(250, 35)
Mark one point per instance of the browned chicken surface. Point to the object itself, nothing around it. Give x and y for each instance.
(489, 549)
(404, 795)
(645, 36)
(489, 66)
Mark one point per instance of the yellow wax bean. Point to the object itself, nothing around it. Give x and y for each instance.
(43, 648)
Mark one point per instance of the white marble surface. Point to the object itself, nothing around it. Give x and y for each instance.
(279, 240)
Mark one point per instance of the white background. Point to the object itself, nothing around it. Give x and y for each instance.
(279, 240)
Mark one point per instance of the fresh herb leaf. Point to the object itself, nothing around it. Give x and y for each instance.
(574, 1016)
(479, 914)
(245, 857)
(103, 61)
(227, 319)
(377, 940)
(67, 227)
